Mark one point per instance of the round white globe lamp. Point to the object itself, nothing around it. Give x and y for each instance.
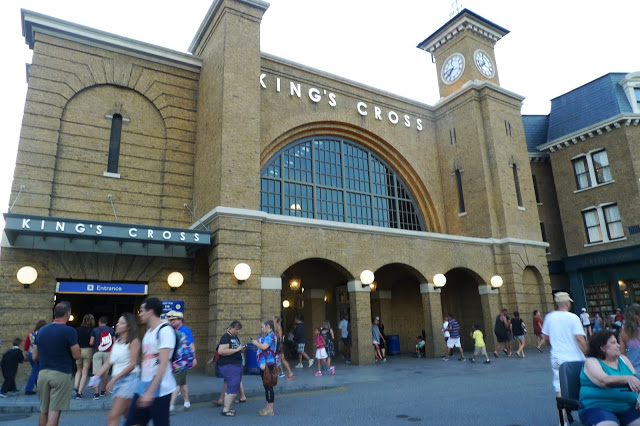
(439, 280)
(366, 278)
(496, 281)
(242, 272)
(175, 280)
(27, 276)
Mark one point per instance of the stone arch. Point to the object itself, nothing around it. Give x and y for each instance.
(461, 298)
(384, 149)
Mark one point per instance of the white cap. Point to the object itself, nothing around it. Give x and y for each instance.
(584, 309)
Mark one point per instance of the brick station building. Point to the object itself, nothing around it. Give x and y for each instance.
(136, 161)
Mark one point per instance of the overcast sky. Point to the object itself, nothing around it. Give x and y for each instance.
(552, 48)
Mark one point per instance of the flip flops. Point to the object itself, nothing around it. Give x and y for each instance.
(229, 413)
(239, 401)
(496, 354)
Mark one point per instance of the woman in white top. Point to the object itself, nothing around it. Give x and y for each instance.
(124, 359)
(586, 322)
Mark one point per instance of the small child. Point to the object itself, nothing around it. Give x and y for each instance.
(480, 347)
(321, 352)
(420, 350)
(10, 360)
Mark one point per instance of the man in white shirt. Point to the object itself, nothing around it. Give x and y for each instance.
(563, 330)
(346, 339)
(153, 395)
(586, 322)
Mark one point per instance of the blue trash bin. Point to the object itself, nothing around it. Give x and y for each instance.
(393, 344)
(251, 360)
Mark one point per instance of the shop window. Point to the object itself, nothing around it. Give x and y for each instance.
(338, 180)
(603, 224)
(592, 169)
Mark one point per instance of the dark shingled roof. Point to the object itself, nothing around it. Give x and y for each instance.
(580, 108)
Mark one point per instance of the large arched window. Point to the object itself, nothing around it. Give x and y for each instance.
(336, 179)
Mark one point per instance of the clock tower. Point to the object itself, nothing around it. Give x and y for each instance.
(463, 50)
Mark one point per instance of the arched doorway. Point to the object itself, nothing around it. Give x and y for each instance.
(317, 289)
(397, 300)
(460, 297)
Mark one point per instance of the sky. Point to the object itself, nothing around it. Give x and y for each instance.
(552, 48)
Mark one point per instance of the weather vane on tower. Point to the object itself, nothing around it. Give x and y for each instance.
(456, 8)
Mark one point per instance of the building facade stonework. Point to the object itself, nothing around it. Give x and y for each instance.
(279, 165)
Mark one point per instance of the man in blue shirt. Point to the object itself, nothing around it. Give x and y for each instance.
(56, 347)
(454, 338)
(176, 318)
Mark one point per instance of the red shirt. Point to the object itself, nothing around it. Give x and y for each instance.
(537, 325)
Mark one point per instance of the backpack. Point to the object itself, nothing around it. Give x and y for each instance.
(183, 355)
(106, 341)
(174, 353)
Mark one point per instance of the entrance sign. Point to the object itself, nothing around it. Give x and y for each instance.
(83, 287)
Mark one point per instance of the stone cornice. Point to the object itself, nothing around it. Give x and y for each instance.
(464, 21)
(212, 12)
(221, 211)
(589, 132)
(538, 157)
(477, 85)
(33, 23)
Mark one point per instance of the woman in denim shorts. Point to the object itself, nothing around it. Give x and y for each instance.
(125, 373)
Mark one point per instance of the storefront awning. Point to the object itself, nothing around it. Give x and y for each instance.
(64, 234)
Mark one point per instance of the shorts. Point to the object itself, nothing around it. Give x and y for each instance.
(555, 368)
(321, 353)
(451, 343)
(232, 374)
(593, 416)
(518, 337)
(346, 341)
(126, 386)
(86, 355)
(54, 390)
(99, 358)
(479, 350)
(158, 411)
(300, 348)
(375, 342)
(181, 377)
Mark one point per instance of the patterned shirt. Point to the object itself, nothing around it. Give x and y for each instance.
(455, 329)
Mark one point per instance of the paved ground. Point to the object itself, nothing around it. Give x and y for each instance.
(509, 391)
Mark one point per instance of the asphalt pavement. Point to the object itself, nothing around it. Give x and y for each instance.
(519, 388)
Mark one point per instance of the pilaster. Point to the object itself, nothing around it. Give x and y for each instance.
(360, 304)
(432, 311)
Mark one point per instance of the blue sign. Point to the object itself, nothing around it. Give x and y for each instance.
(73, 287)
(172, 305)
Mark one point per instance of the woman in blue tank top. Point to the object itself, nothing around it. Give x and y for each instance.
(605, 368)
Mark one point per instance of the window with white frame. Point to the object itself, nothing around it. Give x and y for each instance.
(602, 223)
(592, 169)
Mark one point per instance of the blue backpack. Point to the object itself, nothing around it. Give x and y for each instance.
(182, 358)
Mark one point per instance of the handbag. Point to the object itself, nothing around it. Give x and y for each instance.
(270, 376)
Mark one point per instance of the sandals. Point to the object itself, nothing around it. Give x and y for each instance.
(218, 403)
(230, 413)
(291, 377)
(496, 354)
(505, 351)
(238, 401)
(539, 350)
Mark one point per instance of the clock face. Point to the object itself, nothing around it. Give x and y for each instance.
(452, 68)
(484, 64)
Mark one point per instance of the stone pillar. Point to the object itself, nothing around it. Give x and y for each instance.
(271, 289)
(432, 311)
(314, 315)
(490, 300)
(360, 305)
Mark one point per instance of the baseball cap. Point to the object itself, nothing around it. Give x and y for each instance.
(175, 314)
(561, 296)
(584, 309)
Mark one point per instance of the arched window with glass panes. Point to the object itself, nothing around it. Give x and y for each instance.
(339, 180)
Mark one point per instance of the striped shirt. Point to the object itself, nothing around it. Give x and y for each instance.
(455, 329)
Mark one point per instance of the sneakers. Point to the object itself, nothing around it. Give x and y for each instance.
(311, 362)
(472, 360)
(333, 370)
(384, 360)
(299, 366)
(103, 393)
(462, 359)
(444, 358)
(348, 361)
(319, 373)
(96, 396)
(281, 375)
(487, 362)
(30, 393)
(78, 396)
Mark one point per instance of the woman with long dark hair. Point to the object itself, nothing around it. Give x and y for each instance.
(125, 374)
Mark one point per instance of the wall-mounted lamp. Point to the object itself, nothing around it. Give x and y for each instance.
(496, 281)
(373, 286)
(71, 318)
(366, 278)
(294, 284)
(175, 280)
(439, 280)
(27, 276)
(286, 304)
(242, 272)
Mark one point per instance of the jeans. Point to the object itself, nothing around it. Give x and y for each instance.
(35, 369)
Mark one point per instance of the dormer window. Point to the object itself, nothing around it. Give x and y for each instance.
(631, 85)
